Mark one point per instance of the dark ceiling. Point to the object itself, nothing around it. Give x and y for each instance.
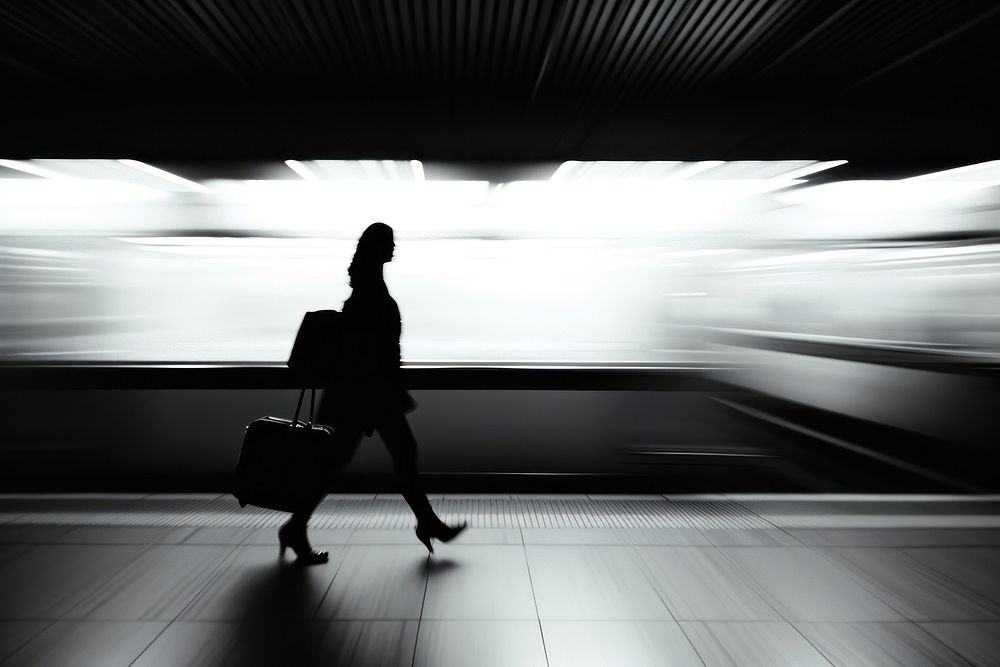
(879, 82)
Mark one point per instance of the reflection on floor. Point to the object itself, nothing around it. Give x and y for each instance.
(556, 580)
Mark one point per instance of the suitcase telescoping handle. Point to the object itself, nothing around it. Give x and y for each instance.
(298, 407)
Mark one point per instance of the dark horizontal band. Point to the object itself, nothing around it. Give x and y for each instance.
(277, 376)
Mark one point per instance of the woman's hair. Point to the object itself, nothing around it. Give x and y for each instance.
(370, 253)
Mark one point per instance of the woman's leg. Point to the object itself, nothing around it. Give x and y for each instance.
(398, 438)
(346, 439)
(345, 443)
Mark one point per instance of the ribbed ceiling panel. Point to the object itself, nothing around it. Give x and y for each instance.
(628, 49)
(500, 79)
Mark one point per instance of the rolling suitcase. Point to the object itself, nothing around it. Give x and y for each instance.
(284, 464)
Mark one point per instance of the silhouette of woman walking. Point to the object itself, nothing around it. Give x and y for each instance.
(370, 395)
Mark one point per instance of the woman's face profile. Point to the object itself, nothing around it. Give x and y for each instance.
(379, 243)
(388, 248)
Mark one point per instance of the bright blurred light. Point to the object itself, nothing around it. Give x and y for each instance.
(656, 198)
(344, 208)
(564, 170)
(695, 168)
(672, 170)
(69, 192)
(607, 261)
(418, 169)
(28, 168)
(358, 170)
(879, 195)
(813, 168)
(166, 176)
(983, 173)
(301, 170)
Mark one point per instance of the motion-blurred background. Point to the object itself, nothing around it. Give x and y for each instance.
(747, 244)
(586, 262)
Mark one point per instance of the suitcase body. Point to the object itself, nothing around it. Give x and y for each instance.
(281, 466)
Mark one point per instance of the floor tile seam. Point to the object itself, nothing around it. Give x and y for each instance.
(748, 579)
(783, 621)
(111, 594)
(212, 577)
(46, 624)
(727, 621)
(955, 582)
(244, 543)
(605, 619)
(153, 641)
(816, 648)
(648, 573)
(694, 646)
(757, 590)
(874, 588)
(899, 622)
(746, 546)
(420, 619)
(992, 619)
(752, 583)
(342, 619)
(995, 547)
(900, 546)
(953, 622)
(28, 548)
(340, 564)
(125, 544)
(534, 599)
(484, 619)
(103, 580)
(940, 642)
(67, 529)
(726, 649)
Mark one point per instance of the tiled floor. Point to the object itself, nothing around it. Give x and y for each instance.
(190, 579)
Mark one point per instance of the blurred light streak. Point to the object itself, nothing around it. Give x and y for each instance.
(28, 168)
(695, 168)
(301, 170)
(879, 195)
(418, 170)
(108, 170)
(35, 267)
(70, 192)
(353, 171)
(815, 257)
(984, 173)
(812, 169)
(345, 208)
(671, 170)
(946, 253)
(166, 175)
(564, 170)
(38, 252)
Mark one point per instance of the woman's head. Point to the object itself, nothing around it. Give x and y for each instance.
(374, 249)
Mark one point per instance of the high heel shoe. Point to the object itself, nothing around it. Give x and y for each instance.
(304, 555)
(443, 532)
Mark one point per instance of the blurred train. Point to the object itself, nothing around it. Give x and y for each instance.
(717, 325)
